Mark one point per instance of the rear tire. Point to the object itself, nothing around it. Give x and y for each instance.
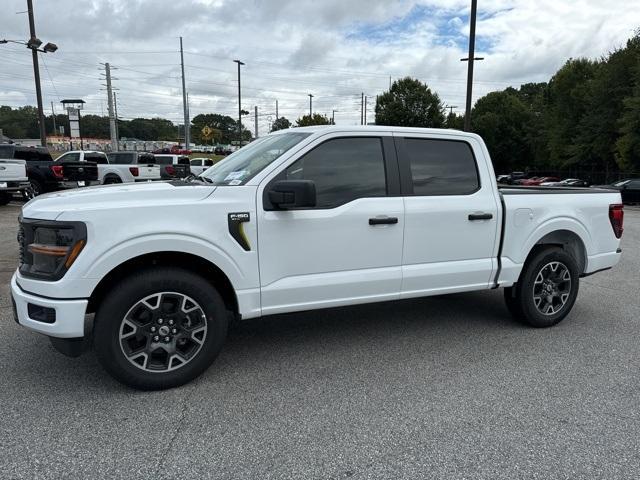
(35, 189)
(546, 290)
(111, 180)
(5, 198)
(160, 328)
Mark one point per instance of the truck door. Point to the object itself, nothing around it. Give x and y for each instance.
(451, 215)
(348, 248)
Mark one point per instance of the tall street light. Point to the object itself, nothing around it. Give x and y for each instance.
(470, 59)
(239, 106)
(310, 105)
(34, 44)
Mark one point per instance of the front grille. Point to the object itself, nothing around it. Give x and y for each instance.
(21, 244)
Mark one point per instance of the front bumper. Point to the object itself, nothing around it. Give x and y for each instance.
(69, 320)
(14, 186)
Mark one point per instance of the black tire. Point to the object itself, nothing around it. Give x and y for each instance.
(35, 189)
(112, 333)
(5, 198)
(539, 301)
(110, 180)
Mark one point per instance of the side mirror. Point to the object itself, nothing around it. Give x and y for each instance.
(285, 194)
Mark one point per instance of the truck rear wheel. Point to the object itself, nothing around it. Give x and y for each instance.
(546, 290)
(160, 328)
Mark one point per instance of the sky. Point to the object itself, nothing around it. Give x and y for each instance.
(332, 49)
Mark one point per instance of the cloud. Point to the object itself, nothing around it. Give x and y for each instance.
(334, 49)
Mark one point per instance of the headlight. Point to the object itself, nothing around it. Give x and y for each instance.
(48, 249)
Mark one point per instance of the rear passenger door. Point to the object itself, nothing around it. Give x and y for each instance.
(451, 215)
(348, 248)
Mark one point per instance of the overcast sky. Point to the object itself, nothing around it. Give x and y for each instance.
(333, 49)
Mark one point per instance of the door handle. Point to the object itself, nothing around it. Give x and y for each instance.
(480, 216)
(383, 221)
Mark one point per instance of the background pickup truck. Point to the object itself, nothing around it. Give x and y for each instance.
(173, 166)
(299, 219)
(108, 172)
(13, 178)
(46, 176)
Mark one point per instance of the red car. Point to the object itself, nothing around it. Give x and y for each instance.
(174, 150)
(538, 180)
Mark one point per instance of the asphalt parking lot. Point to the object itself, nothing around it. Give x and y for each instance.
(444, 387)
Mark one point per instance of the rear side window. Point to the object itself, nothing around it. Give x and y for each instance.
(441, 167)
(6, 151)
(208, 163)
(164, 160)
(343, 170)
(122, 158)
(69, 157)
(98, 158)
(146, 158)
(196, 163)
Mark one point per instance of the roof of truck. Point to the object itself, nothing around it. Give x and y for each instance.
(373, 128)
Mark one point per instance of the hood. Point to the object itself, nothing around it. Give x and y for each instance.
(52, 205)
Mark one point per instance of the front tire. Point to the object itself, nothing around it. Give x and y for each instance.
(160, 328)
(546, 290)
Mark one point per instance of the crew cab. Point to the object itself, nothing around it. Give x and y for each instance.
(173, 166)
(13, 178)
(199, 165)
(115, 167)
(300, 219)
(47, 176)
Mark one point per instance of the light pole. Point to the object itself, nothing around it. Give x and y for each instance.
(239, 106)
(310, 106)
(333, 117)
(470, 59)
(34, 44)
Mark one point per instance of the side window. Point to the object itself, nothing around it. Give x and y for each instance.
(98, 158)
(343, 169)
(208, 163)
(634, 184)
(441, 167)
(69, 157)
(196, 163)
(121, 158)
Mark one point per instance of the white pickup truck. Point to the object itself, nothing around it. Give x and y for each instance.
(300, 219)
(13, 179)
(111, 170)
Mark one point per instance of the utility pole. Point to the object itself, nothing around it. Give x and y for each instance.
(310, 106)
(239, 106)
(115, 110)
(184, 101)
(451, 107)
(333, 117)
(365, 110)
(362, 108)
(112, 118)
(256, 117)
(53, 117)
(470, 59)
(36, 73)
(277, 117)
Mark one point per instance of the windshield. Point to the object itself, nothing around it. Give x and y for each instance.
(242, 165)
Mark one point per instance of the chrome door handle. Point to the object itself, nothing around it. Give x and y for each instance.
(480, 216)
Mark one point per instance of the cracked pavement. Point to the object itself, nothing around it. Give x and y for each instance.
(443, 387)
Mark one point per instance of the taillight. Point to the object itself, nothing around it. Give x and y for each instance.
(57, 171)
(170, 170)
(616, 216)
(134, 171)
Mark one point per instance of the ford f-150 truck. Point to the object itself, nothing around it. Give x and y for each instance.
(300, 219)
(13, 178)
(110, 171)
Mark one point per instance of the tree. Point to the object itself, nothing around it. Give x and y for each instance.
(501, 118)
(227, 126)
(316, 119)
(280, 124)
(410, 103)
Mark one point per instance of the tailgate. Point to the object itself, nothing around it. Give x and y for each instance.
(148, 172)
(182, 171)
(80, 171)
(13, 170)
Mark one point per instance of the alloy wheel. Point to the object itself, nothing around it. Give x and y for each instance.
(552, 288)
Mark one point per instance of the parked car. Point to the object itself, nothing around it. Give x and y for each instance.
(13, 179)
(46, 176)
(109, 172)
(141, 166)
(199, 165)
(218, 151)
(173, 166)
(629, 189)
(569, 182)
(173, 150)
(535, 181)
(299, 219)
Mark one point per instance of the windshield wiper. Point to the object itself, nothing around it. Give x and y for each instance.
(200, 177)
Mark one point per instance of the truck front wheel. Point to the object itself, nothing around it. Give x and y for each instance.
(546, 290)
(160, 328)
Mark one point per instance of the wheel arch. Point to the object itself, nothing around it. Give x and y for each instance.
(188, 261)
(566, 239)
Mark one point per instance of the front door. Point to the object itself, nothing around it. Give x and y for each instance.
(348, 248)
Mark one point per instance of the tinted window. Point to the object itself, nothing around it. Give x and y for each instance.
(6, 151)
(99, 158)
(441, 167)
(146, 158)
(196, 163)
(343, 169)
(208, 163)
(69, 157)
(164, 160)
(122, 158)
(634, 184)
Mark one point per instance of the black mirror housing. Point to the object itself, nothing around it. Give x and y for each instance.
(287, 194)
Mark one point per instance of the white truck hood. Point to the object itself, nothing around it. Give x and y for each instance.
(52, 205)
